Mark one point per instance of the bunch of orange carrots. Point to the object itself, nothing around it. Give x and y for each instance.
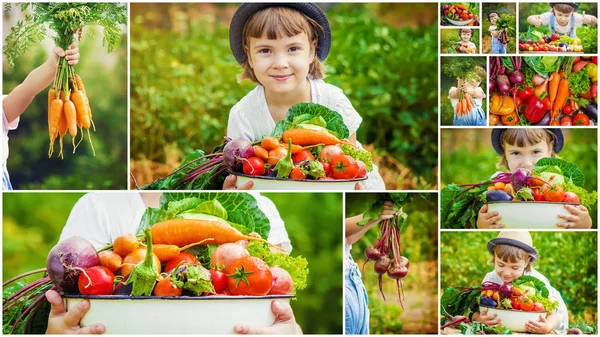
(464, 105)
(68, 108)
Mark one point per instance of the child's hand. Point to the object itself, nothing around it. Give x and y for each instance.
(489, 320)
(62, 322)
(487, 220)
(536, 20)
(72, 54)
(388, 211)
(579, 218)
(230, 184)
(541, 327)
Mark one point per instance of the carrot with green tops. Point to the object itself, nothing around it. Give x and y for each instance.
(166, 252)
(55, 111)
(561, 97)
(310, 137)
(553, 86)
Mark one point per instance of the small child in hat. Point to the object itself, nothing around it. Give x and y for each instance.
(562, 19)
(497, 46)
(512, 256)
(281, 47)
(522, 148)
(466, 45)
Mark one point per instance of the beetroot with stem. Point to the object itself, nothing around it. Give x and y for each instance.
(372, 254)
(381, 267)
(68, 259)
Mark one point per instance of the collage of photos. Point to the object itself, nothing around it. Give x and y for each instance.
(403, 168)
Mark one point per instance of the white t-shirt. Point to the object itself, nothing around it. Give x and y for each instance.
(101, 217)
(251, 119)
(477, 101)
(545, 17)
(6, 127)
(554, 295)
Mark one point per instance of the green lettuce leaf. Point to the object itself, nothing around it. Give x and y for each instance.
(567, 169)
(532, 281)
(587, 199)
(305, 112)
(362, 155)
(198, 280)
(296, 266)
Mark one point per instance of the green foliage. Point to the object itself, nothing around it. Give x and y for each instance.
(567, 259)
(508, 13)
(297, 266)
(302, 113)
(450, 37)
(452, 68)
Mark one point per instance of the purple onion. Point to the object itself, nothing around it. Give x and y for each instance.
(67, 260)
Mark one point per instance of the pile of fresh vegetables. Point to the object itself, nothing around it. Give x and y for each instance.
(552, 180)
(462, 12)
(527, 293)
(193, 245)
(68, 104)
(308, 144)
(537, 40)
(544, 90)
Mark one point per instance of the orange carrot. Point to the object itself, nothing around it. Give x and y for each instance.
(135, 257)
(561, 97)
(260, 152)
(83, 116)
(125, 244)
(276, 154)
(310, 137)
(166, 252)
(80, 84)
(62, 131)
(296, 148)
(464, 106)
(51, 96)
(110, 260)
(458, 109)
(181, 232)
(270, 143)
(55, 111)
(553, 86)
(70, 118)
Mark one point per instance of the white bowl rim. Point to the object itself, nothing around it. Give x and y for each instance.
(332, 181)
(187, 298)
(466, 22)
(532, 202)
(513, 310)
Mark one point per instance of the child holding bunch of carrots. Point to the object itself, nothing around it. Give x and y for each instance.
(281, 47)
(467, 109)
(15, 103)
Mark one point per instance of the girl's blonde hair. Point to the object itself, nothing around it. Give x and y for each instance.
(511, 254)
(278, 22)
(563, 8)
(526, 137)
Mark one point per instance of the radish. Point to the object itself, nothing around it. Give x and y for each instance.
(282, 282)
(226, 253)
(67, 260)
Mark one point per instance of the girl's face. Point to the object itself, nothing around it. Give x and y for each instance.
(562, 18)
(493, 18)
(281, 65)
(525, 157)
(509, 271)
(465, 36)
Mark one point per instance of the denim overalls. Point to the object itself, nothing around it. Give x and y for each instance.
(497, 46)
(475, 117)
(553, 22)
(357, 310)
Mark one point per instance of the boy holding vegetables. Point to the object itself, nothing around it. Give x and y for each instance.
(512, 256)
(562, 19)
(281, 47)
(522, 148)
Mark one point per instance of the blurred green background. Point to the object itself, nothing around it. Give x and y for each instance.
(383, 56)
(467, 157)
(449, 37)
(105, 79)
(28, 236)
(419, 242)
(508, 12)
(587, 34)
(568, 259)
(446, 110)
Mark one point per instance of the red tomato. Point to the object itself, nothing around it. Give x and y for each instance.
(362, 169)
(571, 197)
(297, 174)
(567, 109)
(254, 166)
(329, 152)
(510, 119)
(344, 167)
(581, 120)
(537, 195)
(219, 280)
(165, 287)
(99, 281)
(538, 307)
(249, 276)
(547, 102)
(554, 122)
(326, 168)
(518, 101)
(514, 301)
(302, 155)
(526, 304)
(553, 193)
(566, 121)
(526, 93)
(183, 257)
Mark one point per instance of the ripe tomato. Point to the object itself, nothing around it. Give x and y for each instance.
(510, 119)
(514, 301)
(566, 121)
(537, 195)
(538, 307)
(183, 257)
(219, 280)
(526, 93)
(326, 168)
(254, 166)
(249, 276)
(553, 193)
(165, 287)
(571, 197)
(518, 101)
(297, 174)
(581, 120)
(343, 167)
(567, 110)
(362, 169)
(99, 281)
(547, 102)
(494, 119)
(329, 152)
(302, 155)
(526, 304)
(554, 122)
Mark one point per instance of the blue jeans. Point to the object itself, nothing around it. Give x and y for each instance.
(6, 185)
(497, 47)
(357, 309)
(475, 117)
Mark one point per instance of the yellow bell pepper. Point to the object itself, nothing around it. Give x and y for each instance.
(502, 105)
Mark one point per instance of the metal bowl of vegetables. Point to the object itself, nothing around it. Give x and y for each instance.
(514, 320)
(460, 23)
(123, 314)
(264, 183)
(529, 214)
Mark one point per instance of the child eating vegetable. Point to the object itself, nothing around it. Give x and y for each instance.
(465, 46)
(281, 47)
(15, 103)
(512, 256)
(475, 116)
(522, 148)
(498, 47)
(562, 19)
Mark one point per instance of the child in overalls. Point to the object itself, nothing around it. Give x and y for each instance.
(476, 116)
(562, 19)
(497, 46)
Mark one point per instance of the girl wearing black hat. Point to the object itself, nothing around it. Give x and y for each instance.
(281, 47)
(522, 148)
(512, 256)
(562, 19)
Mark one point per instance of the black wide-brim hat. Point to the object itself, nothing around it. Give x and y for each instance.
(516, 239)
(572, 4)
(497, 135)
(246, 10)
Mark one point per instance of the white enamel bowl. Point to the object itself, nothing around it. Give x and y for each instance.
(176, 315)
(459, 23)
(529, 214)
(262, 183)
(515, 320)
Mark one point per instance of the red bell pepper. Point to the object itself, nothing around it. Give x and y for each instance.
(535, 110)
